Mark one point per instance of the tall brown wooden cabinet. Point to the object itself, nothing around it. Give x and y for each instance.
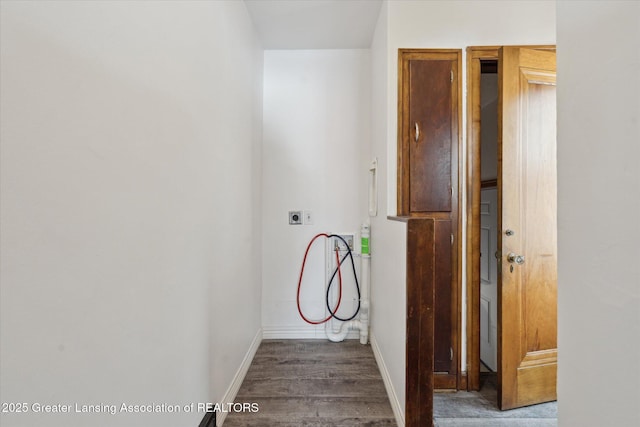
(429, 110)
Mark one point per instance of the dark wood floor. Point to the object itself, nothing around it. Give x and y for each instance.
(313, 383)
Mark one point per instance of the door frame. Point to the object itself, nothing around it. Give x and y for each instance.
(476, 54)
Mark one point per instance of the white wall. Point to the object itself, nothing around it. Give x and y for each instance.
(316, 132)
(128, 155)
(388, 241)
(598, 212)
(427, 24)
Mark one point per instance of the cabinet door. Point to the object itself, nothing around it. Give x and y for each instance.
(444, 319)
(430, 145)
(428, 131)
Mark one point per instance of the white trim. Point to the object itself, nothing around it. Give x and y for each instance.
(388, 385)
(232, 391)
(291, 333)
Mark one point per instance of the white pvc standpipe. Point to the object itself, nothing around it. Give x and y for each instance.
(362, 324)
(365, 234)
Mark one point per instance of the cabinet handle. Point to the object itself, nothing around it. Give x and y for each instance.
(417, 128)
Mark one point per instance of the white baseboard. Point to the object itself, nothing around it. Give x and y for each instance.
(232, 391)
(396, 406)
(291, 333)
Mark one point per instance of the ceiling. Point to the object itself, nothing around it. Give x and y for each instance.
(315, 24)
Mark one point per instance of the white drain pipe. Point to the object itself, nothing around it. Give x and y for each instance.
(365, 234)
(345, 327)
(362, 324)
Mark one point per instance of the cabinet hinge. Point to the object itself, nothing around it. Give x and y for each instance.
(451, 76)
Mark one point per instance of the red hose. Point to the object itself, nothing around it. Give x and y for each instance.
(304, 261)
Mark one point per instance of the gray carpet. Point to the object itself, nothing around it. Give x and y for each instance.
(496, 422)
(480, 409)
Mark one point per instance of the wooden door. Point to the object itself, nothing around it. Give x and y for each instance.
(527, 220)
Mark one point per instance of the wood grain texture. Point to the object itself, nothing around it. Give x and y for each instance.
(420, 315)
(490, 183)
(313, 383)
(427, 96)
(430, 143)
(430, 96)
(527, 317)
(443, 381)
(444, 321)
(476, 56)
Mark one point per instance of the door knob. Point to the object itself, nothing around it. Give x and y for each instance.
(518, 259)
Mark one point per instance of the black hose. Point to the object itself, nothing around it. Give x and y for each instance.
(355, 276)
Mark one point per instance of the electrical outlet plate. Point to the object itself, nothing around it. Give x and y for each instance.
(295, 217)
(308, 218)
